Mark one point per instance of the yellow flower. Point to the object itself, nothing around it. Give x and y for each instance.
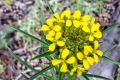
(78, 69)
(87, 61)
(59, 18)
(49, 25)
(57, 28)
(63, 60)
(77, 14)
(53, 45)
(85, 18)
(45, 28)
(93, 30)
(95, 52)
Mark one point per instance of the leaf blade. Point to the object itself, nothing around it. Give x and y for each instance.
(41, 55)
(110, 48)
(85, 76)
(22, 62)
(97, 76)
(113, 61)
(29, 35)
(40, 72)
(49, 6)
(110, 28)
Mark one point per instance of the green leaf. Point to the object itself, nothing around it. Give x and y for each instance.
(41, 14)
(113, 61)
(97, 76)
(85, 76)
(22, 62)
(40, 72)
(54, 74)
(110, 48)
(80, 5)
(27, 34)
(28, 66)
(42, 55)
(46, 77)
(110, 28)
(49, 6)
(24, 76)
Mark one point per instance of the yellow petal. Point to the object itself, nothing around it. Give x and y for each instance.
(91, 38)
(95, 27)
(71, 73)
(86, 18)
(85, 64)
(52, 47)
(76, 23)
(86, 29)
(65, 53)
(45, 28)
(92, 21)
(51, 33)
(85, 51)
(50, 21)
(67, 13)
(56, 15)
(49, 37)
(100, 53)
(95, 58)
(71, 60)
(63, 68)
(79, 55)
(98, 34)
(73, 70)
(90, 60)
(62, 15)
(56, 61)
(88, 48)
(57, 28)
(81, 68)
(68, 23)
(79, 72)
(77, 14)
(96, 44)
(60, 43)
(58, 35)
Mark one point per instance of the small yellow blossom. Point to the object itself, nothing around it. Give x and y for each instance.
(95, 52)
(63, 60)
(78, 69)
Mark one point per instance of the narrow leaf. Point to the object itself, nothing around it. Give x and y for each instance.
(29, 35)
(40, 72)
(49, 6)
(110, 48)
(110, 28)
(113, 61)
(22, 62)
(24, 76)
(85, 76)
(97, 76)
(42, 55)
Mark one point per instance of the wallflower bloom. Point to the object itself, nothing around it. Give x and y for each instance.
(71, 36)
(95, 52)
(93, 30)
(63, 60)
(78, 69)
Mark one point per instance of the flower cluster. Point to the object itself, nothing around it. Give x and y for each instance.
(74, 37)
